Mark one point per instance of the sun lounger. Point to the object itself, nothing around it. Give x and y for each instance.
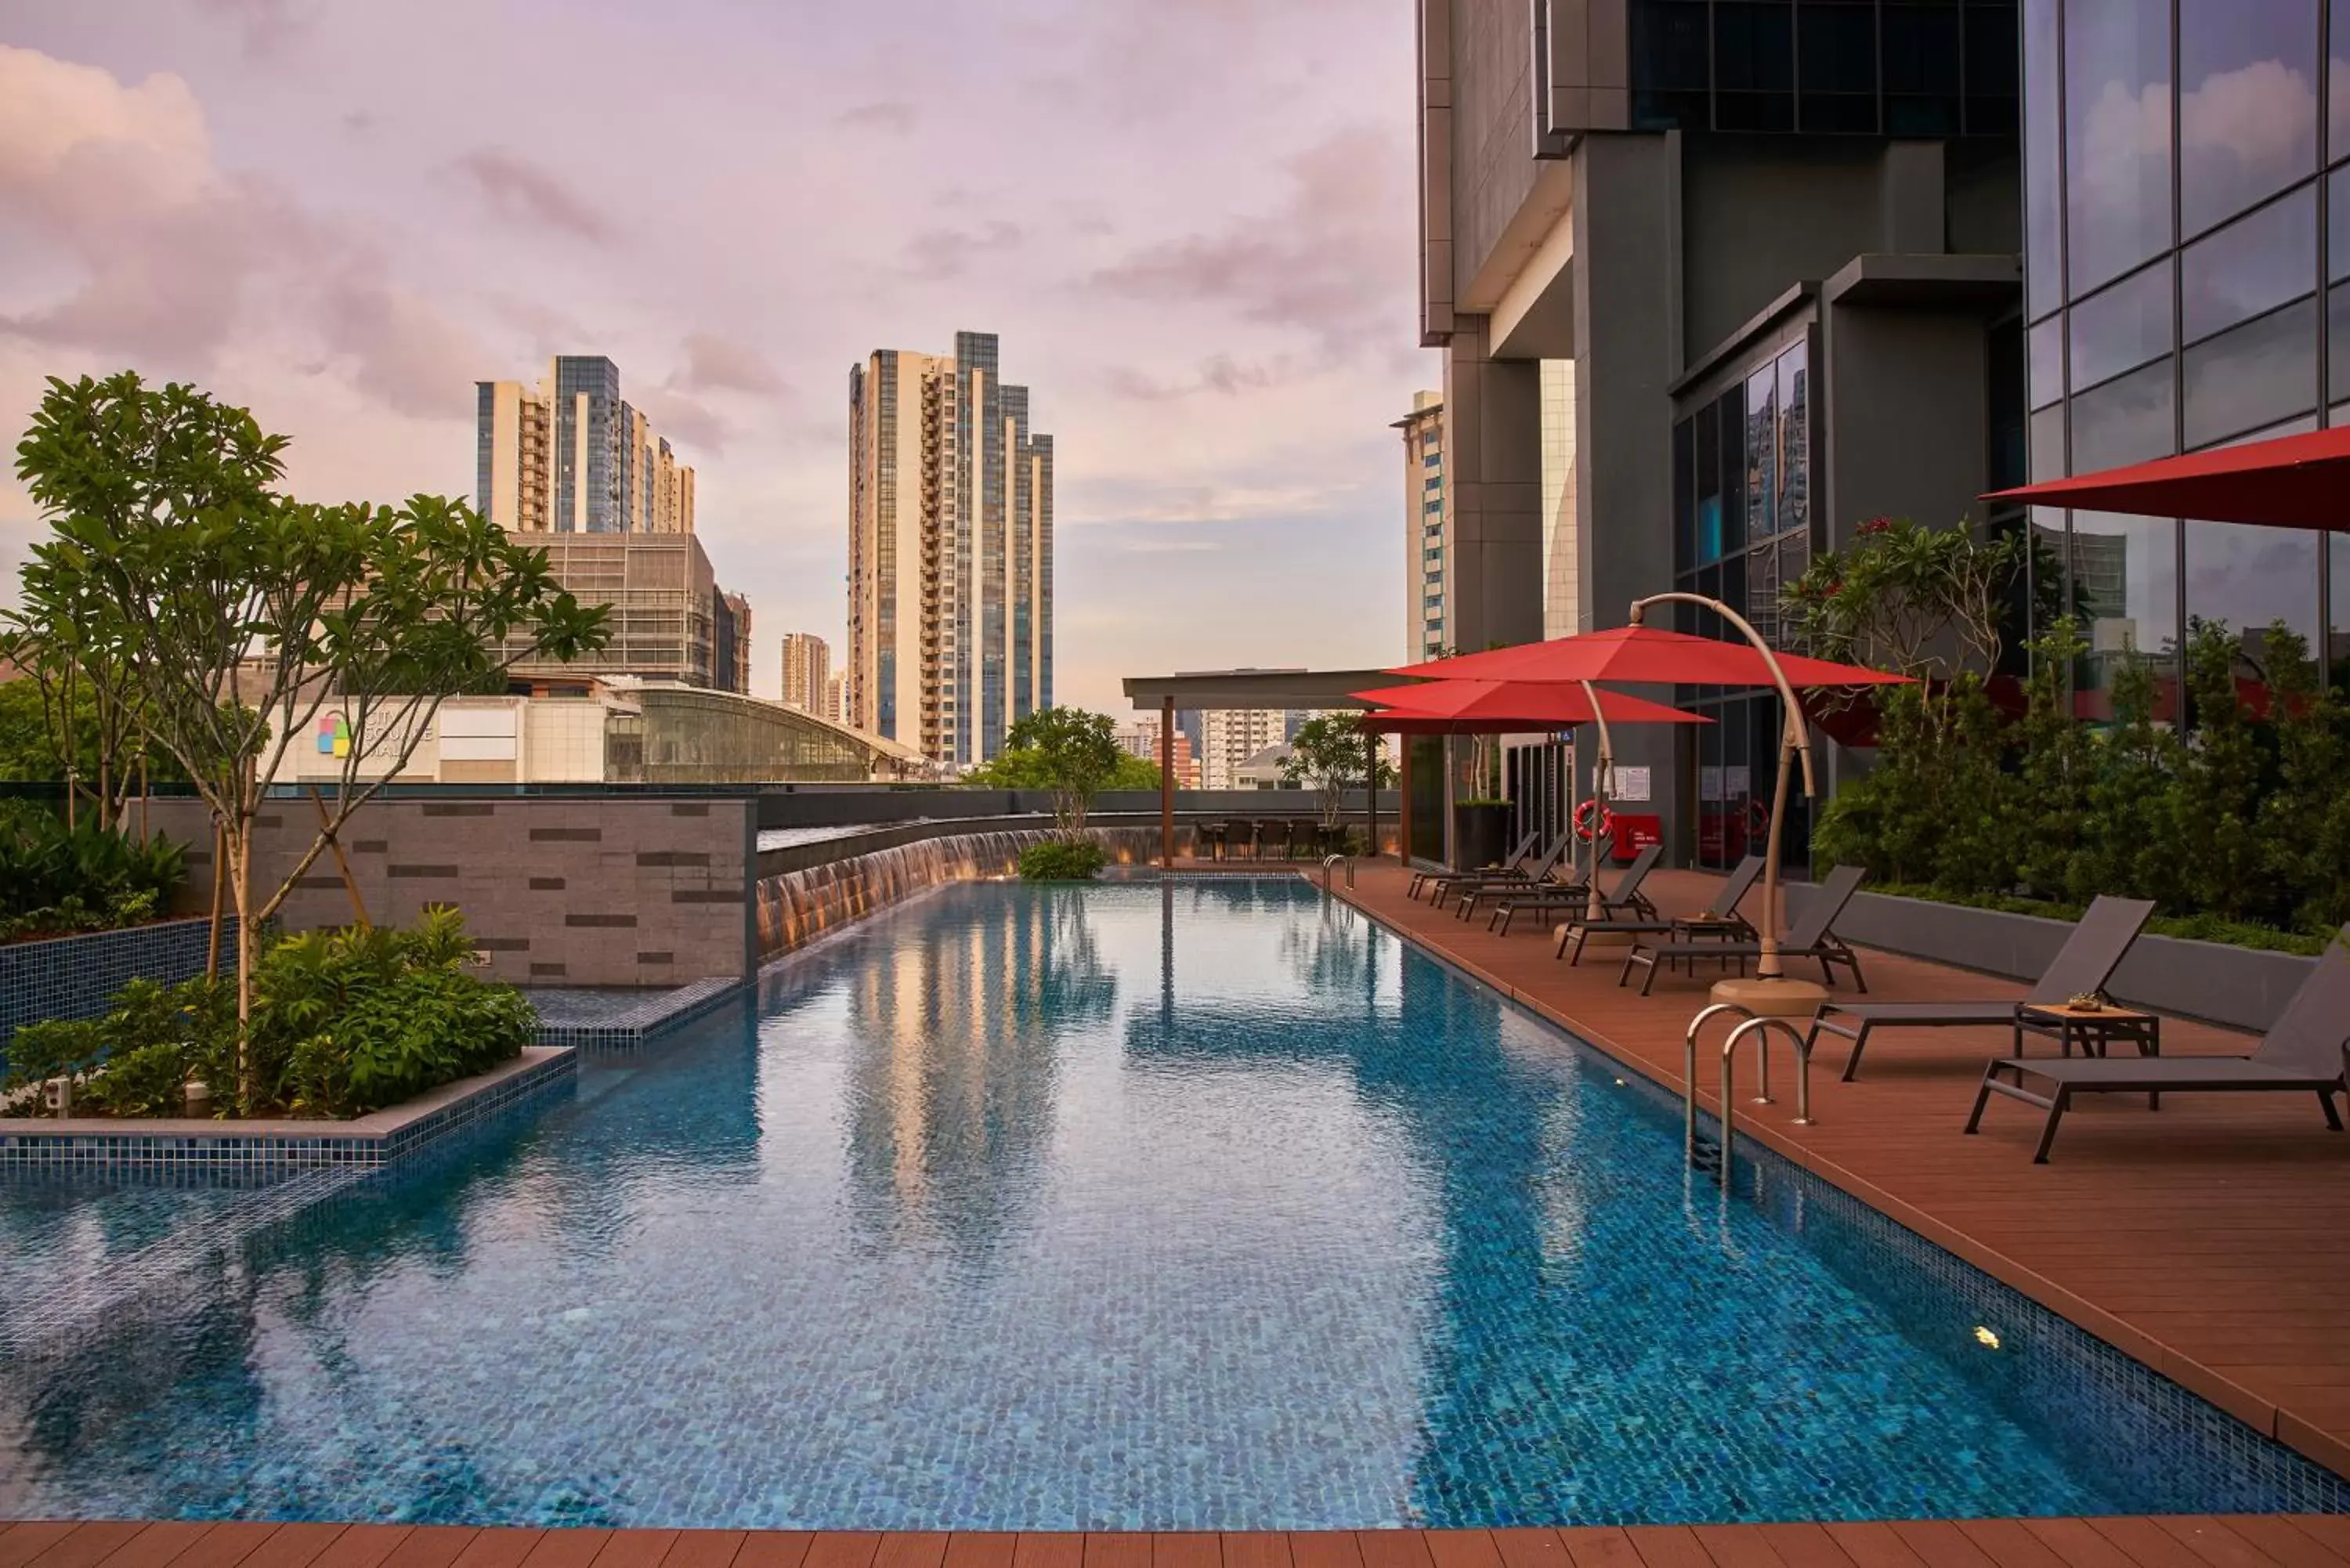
(2081, 968)
(2307, 1051)
(1465, 884)
(1719, 915)
(1814, 937)
(1546, 900)
(1577, 879)
(1528, 849)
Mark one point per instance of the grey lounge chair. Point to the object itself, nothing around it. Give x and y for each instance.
(1528, 849)
(1721, 913)
(2083, 965)
(1571, 902)
(1814, 937)
(1466, 885)
(2307, 1051)
(1575, 878)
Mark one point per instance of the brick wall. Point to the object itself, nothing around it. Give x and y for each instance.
(625, 891)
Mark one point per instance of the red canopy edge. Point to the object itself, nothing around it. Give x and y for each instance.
(2287, 482)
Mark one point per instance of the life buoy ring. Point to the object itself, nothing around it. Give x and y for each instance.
(1591, 813)
(1758, 818)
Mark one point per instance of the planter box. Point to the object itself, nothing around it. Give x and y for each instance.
(2243, 988)
(265, 1150)
(76, 977)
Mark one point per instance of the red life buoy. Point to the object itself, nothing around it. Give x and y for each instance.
(1584, 816)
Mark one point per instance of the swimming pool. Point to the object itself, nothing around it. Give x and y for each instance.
(1205, 1204)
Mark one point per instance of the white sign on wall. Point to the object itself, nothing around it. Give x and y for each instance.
(1736, 783)
(478, 734)
(1708, 784)
(1629, 785)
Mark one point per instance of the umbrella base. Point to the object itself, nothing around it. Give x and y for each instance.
(1780, 998)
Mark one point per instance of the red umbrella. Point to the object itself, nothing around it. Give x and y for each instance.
(2291, 482)
(1508, 707)
(1644, 655)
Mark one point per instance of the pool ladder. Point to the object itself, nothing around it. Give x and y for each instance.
(1330, 860)
(1758, 1026)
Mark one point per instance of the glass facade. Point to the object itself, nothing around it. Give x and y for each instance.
(1867, 67)
(2183, 234)
(1743, 526)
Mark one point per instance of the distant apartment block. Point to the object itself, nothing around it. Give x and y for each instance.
(1141, 739)
(571, 456)
(730, 658)
(1426, 623)
(1231, 736)
(832, 708)
(807, 672)
(949, 553)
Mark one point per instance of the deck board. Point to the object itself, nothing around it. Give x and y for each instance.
(2188, 1237)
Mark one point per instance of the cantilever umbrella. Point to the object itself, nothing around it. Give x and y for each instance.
(1506, 707)
(1644, 655)
(2291, 482)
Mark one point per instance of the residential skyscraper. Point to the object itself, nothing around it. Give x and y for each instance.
(807, 671)
(1233, 735)
(832, 699)
(1424, 526)
(569, 456)
(950, 552)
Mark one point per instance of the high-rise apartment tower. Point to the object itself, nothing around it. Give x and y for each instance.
(807, 671)
(569, 456)
(950, 552)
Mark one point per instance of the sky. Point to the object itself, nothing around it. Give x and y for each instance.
(1191, 222)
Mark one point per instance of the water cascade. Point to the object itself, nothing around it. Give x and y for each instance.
(800, 905)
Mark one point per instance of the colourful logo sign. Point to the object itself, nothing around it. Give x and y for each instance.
(334, 735)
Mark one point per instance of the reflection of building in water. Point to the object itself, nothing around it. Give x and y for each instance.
(949, 1101)
(2101, 589)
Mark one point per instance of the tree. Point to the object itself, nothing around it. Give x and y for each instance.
(231, 618)
(1068, 751)
(1330, 756)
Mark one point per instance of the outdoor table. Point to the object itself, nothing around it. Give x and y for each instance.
(1723, 929)
(2097, 1028)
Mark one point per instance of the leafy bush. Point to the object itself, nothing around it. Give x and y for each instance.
(2234, 821)
(344, 1022)
(55, 880)
(1063, 860)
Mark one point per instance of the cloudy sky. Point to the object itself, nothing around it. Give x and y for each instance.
(1191, 222)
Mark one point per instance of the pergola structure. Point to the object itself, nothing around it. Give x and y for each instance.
(1200, 690)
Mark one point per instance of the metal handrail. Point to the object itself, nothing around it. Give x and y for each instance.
(1760, 1026)
(1330, 860)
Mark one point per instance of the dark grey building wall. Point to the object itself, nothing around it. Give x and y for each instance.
(1492, 164)
(1910, 398)
(600, 892)
(1758, 215)
(1492, 417)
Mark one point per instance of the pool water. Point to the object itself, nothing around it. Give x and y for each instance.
(1205, 1204)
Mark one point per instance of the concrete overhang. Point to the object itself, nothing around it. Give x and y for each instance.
(1535, 317)
(1953, 282)
(1515, 280)
(1202, 688)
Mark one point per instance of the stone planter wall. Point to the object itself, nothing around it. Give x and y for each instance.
(2243, 988)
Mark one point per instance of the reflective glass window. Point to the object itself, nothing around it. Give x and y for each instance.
(2249, 577)
(2337, 81)
(1669, 64)
(1835, 65)
(2128, 419)
(2258, 262)
(1762, 452)
(1990, 68)
(2048, 444)
(1754, 46)
(2253, 375)
(2116, 136)
(2338, 343)
(1684, 498)
(2337, 224)
(1733, 469)
(1709, 484)
(1795, 439)
(1923, 47)
(2248, 90)
(2044, 155)
(2047, 368)
(2122, 326)
(2124, 586)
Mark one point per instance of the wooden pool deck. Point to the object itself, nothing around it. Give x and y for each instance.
(2204, 1240)
(2171, 1543)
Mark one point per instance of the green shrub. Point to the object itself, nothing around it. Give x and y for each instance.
(55, 880)
(1063, 860)
(344, 1022)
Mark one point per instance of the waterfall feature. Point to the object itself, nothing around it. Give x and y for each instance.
(800, 905)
